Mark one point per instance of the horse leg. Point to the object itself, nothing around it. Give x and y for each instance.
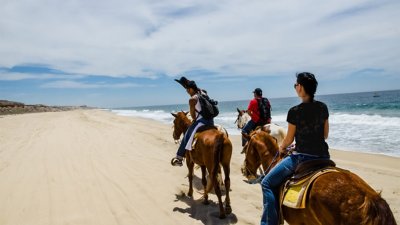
(204, 182)
(228, 209)
(190, 165)
(217, 189)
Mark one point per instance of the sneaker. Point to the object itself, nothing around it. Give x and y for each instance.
(176, 161)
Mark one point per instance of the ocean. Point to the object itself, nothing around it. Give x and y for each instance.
(364, 122)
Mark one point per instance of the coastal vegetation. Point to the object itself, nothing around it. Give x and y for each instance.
(11, 107)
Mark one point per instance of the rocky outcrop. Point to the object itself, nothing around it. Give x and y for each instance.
(9, 107)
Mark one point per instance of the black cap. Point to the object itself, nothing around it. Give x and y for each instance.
(183, 81)
(258, 91)
(186, 83)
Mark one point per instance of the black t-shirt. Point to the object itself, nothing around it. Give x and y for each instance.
(309, 119)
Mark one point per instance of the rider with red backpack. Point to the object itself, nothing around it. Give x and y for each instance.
(259, 110)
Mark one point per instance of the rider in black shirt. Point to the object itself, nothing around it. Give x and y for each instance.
(308, 125)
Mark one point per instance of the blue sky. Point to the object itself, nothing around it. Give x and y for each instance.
(127, 53)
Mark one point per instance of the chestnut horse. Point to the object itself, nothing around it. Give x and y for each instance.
(334, 199)
(212, 149)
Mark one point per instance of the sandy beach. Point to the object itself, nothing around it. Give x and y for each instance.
(91, 167)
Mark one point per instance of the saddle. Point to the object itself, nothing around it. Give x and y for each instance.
(310, 166)
(205, 127)
(294, 192)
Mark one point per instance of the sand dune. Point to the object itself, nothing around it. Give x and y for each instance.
(93, 167)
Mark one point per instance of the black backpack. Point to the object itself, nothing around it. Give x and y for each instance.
(209, 107)
(264, 107)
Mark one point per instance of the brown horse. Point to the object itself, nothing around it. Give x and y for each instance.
(212, 149)
(334, 199)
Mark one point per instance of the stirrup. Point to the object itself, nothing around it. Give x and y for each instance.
(176, 161)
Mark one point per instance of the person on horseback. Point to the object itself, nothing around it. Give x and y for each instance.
(308, 125)
(194, 108)
(259, 110)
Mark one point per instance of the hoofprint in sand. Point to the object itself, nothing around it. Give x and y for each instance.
(94, 167)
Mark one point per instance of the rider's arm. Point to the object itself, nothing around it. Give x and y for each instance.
(326, 129)
(289, 137)
(192, 107)
(250, 108)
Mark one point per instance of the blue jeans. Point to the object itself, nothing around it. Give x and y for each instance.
(249, 127)
(181, 150)
(272, 182)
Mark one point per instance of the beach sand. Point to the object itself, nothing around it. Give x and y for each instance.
(93, 167)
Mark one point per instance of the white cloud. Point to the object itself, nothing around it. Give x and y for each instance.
(15, 76)
(63, 84)
(235, 38)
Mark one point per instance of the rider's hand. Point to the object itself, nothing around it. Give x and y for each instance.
(282, 150)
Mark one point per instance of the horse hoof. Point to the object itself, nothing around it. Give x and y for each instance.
(228, 210)
(222, 216)
(190, 194)
(206, 202)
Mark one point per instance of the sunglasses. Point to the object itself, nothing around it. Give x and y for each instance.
(295, 85)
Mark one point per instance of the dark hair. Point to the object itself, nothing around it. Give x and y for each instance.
(308, 81)
(192, 84)
(258, 92)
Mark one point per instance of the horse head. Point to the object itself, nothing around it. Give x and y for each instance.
(242, 118)
(181, 124)
(260, 150)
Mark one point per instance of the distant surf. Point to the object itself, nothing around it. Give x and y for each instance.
(358, 121)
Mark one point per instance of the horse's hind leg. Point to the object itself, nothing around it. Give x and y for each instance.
(228, 208)
(204, 182)
(190, 165)
(217, 189)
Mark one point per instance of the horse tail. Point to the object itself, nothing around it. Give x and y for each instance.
(218, 147)
(376, 211)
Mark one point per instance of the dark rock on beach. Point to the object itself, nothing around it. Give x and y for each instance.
(10, 107)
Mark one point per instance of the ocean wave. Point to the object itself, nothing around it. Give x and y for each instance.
(363, 119)
(364, 133)
(159, 115)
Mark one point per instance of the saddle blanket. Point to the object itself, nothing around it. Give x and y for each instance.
(294, 194)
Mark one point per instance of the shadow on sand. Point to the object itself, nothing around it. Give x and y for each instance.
(207, 214)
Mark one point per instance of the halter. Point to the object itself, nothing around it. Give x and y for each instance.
(181, 130)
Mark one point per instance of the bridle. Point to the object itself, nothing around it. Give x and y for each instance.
(269, 167)
(178, 129)
(239, 120)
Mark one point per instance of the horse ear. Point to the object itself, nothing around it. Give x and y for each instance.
(238, 110)
(266, 128)
(186, 113)
(173, 114)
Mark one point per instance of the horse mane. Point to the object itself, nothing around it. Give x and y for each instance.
(266, 138)
(261, 145)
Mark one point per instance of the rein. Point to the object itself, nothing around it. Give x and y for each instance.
(272, 162)
(181, 129)
(259, 178)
